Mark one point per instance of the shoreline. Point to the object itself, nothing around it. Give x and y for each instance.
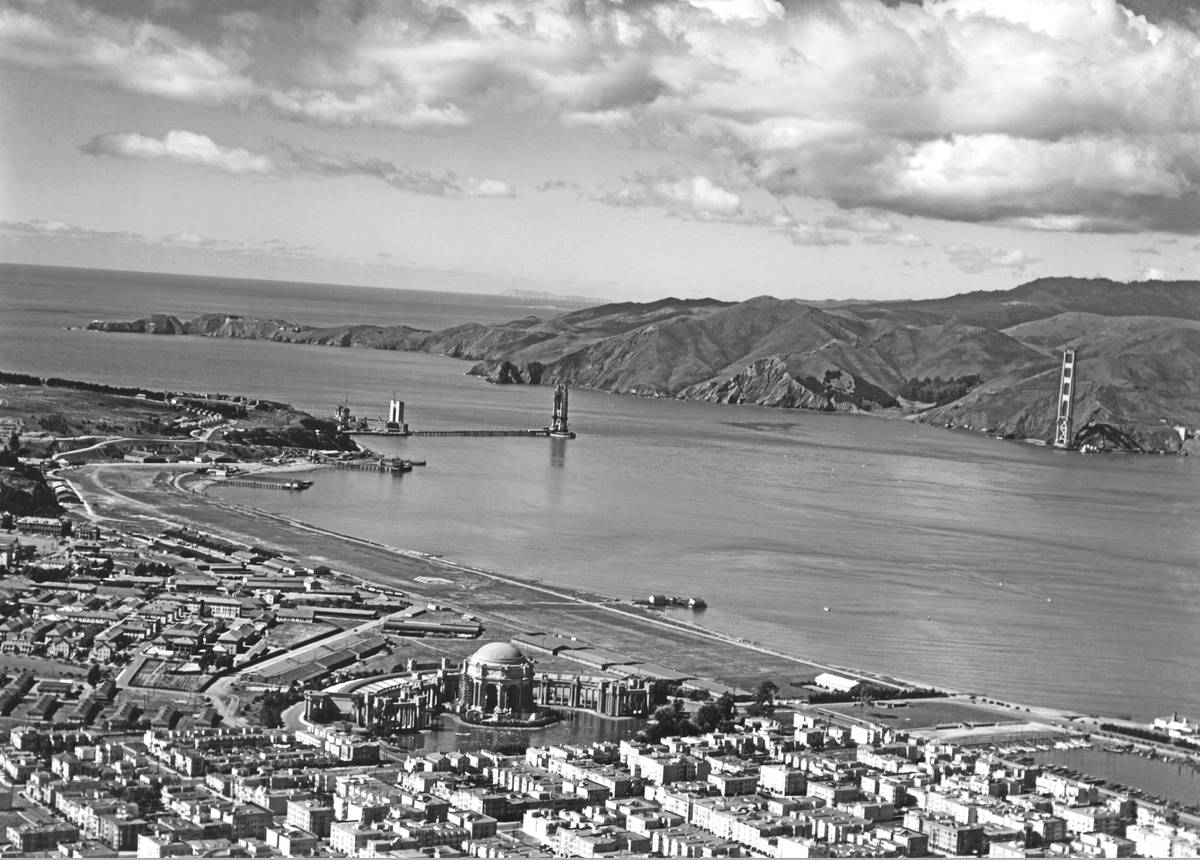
(614, 606)
(241, 522)
(233, 517)
(567, 594)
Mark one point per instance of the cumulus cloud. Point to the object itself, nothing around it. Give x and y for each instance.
(283, 159)
(184, 147)
(806, 234)
(901, 239)
(191, 239)
(694, 196)
(1066, 115)
(974, 259)
(132, 53)
(36, 230)
(556, 185)
(54, 229)
(859, 222)
(488, 188)
(186, 240)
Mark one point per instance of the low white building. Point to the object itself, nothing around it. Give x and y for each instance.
(830, 681)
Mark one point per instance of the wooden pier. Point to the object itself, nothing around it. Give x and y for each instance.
(395, 465)
(264, 483)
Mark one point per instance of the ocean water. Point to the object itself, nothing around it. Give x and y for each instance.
(1040, 576)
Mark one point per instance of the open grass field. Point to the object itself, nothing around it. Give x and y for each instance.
(41, 667)
(66, 412)
(923, 713)
(291, 634)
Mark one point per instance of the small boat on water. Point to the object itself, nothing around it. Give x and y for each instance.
(825, 608)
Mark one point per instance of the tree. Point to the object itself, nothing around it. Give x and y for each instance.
(93, 674)
(707, 717)
(713, 714)
(669, 720)
(764, 700)
(10, 455)
(270, 712)
(660, 690)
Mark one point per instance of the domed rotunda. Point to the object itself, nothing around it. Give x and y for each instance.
(497, 683)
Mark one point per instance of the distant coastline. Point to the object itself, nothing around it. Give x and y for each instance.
(983, 362)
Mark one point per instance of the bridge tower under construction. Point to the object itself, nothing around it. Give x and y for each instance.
(395, 421)
(1066, 401)
(559, 425)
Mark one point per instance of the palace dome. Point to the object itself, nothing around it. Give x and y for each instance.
(498, 653)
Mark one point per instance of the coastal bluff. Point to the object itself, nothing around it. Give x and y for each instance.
(983, 361)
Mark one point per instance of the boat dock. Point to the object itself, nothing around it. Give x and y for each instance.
(264, 483)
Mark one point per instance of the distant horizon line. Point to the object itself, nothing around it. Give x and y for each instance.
(584, 301)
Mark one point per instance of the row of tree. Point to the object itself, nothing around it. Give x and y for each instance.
(672, 719)
(937, 390)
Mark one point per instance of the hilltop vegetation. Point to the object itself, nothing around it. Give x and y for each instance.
(983, 361)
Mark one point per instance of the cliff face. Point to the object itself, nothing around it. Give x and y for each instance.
(774, 382)
(997, 352)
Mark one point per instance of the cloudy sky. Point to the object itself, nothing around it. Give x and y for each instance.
(809, 149)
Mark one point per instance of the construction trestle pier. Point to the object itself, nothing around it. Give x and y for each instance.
(264, 483)
(542, 431)
(395, 425)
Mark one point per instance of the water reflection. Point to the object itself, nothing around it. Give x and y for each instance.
(558, 452)
(1168, 779)
(574, 728)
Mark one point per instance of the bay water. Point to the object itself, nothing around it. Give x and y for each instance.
(1020, 572)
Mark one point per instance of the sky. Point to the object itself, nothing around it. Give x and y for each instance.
(812, 149)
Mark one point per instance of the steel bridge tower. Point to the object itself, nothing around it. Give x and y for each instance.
(1066, 401)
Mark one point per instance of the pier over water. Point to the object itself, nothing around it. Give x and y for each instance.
(559, 427)
(263, 483)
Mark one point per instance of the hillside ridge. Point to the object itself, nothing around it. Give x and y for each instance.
(983, 361)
